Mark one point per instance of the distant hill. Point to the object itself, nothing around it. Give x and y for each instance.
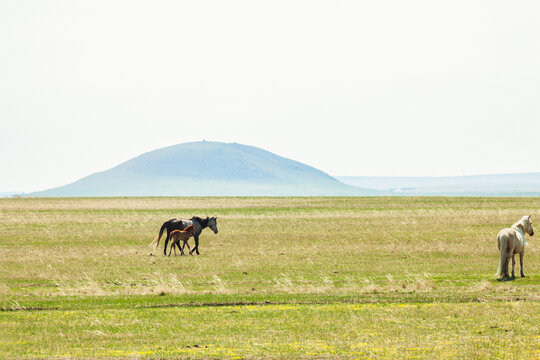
(209, 169)
(10, 194)
(526, 184)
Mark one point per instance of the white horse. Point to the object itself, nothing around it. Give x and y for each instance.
(510, 242)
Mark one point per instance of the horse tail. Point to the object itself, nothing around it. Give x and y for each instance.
(158, 238)
(502, 244)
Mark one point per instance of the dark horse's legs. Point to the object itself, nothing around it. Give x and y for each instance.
(167, 241)
(196, 247)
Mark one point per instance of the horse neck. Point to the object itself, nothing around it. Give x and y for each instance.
(519, 230)
(202, 222)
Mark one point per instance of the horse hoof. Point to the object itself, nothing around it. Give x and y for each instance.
(522, 275)
(512, 278)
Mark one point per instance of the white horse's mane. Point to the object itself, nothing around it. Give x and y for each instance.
(520, 222)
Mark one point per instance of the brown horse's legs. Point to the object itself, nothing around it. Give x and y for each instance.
(182, 248)
(521, 254)
(173, 246)
(186, 243)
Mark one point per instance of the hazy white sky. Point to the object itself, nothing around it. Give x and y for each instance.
(426, 88)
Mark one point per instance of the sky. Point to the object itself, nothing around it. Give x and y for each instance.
(365, 88)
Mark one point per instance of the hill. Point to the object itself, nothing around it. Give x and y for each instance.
(208, 169)
(526, 184)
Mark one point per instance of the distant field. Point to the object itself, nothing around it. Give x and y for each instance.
(284, 278)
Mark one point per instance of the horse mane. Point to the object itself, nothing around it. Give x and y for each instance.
(203, 222)
(519, 223)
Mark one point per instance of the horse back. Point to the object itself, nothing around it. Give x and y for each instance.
(196, 226)
(181, 224)
(181, 234)
(176, 224)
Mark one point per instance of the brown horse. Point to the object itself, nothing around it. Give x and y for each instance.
(510, 242)
(181, 235)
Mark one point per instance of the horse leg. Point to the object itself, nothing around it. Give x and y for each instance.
(510, 253)
(504, 270)
(196, 247)
(521, 255)
(183, 246)
(182, 249)
(507, 265)
(186, 243)
(170, 251)
(513, 264)
(174, 244)
(166, 241)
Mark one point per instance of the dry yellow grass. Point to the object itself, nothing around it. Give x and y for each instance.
(317, 255)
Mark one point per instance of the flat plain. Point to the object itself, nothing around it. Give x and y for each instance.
(332, 278)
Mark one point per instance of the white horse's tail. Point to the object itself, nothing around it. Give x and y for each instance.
(502, 242)
(156, 240)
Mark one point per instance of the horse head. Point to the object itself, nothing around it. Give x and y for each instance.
(526, 225)
(190, 229)
(212, 224)
(528, 228)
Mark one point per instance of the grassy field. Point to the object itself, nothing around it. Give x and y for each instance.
(283, 278)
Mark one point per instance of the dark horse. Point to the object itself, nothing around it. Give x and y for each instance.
(180, 224)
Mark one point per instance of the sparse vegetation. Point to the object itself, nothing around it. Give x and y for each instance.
(283, 278)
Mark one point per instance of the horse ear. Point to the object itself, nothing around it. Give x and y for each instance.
(529, 217)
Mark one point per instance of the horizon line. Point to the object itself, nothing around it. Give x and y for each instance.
(13, 192)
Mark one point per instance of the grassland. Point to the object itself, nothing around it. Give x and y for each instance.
(283, 278)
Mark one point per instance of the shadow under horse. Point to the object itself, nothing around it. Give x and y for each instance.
(180, 224)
